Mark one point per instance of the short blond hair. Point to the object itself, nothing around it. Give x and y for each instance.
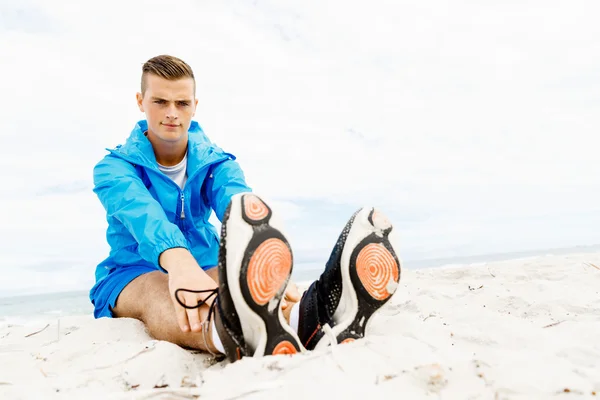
(167, 67)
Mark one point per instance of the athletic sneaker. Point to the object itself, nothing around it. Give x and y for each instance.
(362, 274)
(255, 264)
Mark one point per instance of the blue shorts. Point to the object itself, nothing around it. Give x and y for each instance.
(105, 292)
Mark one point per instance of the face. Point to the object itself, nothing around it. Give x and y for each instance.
(169, 107)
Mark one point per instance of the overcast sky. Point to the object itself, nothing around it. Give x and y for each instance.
(471, 124)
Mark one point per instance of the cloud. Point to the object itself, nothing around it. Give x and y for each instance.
(471, 124)
(27, 17)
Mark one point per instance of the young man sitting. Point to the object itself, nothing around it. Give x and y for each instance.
(231, 294)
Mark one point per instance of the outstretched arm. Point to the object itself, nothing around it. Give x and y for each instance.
(226, 180)
(125, 197)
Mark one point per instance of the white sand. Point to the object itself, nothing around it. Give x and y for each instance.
(524, 329)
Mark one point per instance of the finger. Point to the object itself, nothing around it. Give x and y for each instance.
(203, 313)
(193, 315)
(284, 304)
(181, 316)
(292, 293)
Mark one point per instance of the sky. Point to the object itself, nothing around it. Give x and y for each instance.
(470, 124)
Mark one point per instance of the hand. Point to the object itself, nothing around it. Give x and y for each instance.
(292, 295)
(185, 273)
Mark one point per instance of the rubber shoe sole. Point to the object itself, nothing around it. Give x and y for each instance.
(256, 271)
(370, 273)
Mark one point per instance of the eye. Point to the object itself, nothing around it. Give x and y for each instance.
(159, 101)
(184, 103)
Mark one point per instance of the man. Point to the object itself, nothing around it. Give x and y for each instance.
(168, 267)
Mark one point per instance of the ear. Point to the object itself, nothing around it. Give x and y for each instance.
(140, 98)
(195, 107)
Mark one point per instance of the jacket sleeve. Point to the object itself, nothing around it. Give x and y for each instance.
(126, 198)
(226, 180)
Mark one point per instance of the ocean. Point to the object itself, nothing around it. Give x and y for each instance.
(23, 309)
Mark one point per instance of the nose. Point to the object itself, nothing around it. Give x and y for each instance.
(172, 113)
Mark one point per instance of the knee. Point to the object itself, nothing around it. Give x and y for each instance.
(155, 297)
(142, 296)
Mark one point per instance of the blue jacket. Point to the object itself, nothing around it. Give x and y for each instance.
(148, 213)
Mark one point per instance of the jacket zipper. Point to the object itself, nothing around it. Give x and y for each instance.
(153, 168)
(182, 215)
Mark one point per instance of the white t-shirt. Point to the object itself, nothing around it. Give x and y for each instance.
(178, 173)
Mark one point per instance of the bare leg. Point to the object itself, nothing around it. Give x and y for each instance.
(147, 299)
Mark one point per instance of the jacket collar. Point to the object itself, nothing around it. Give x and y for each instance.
(138, 149)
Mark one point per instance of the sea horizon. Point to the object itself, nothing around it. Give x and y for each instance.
(25, 308)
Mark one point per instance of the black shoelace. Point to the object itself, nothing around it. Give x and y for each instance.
(213, 292)
(206, 323)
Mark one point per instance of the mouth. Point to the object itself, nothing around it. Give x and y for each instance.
(171, 125)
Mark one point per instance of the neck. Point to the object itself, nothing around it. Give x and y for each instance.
(168, 154)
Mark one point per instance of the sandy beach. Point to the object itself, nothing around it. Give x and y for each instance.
(520, 329)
